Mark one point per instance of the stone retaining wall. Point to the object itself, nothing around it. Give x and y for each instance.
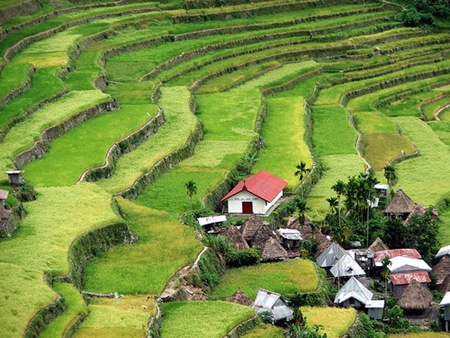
(48, 135)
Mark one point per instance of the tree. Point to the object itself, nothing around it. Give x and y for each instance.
(301, 207)
(339, 187)
(385, 272)
(191, 188)
(301, 170)
(333, 202)
(390, 175)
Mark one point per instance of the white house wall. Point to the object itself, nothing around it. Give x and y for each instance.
(269, 205)
(235, 203)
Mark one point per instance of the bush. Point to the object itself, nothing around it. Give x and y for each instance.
(236, 258)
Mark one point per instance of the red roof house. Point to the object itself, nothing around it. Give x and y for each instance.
(400, 281)
(256, 194)
(410, 253)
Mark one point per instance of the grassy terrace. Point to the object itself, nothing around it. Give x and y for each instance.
(281, 277)
(199, 319)
(335, 321)
(227, 107)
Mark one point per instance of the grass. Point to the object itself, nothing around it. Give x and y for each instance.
(427, 334)
(337, 167)
(84, 146)
(45, 85)
(12, 76)
(444, 226)
(333, 134)
(422, 177)
(335, 322)
(123, 317)
(373, 122)
(201, 319)
(23, 135)
(283, 134)
(264, 331)
(54, 220)
(145, 266)
(442, 130)
(75, 307)
(284, 277)
(172, 135)
(431, 108)
(381, 148)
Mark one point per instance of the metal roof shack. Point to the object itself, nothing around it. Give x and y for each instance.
(379, 255)
(211, 220)
(290, 234)
(4, 195)
(14, 176)
(272, 302)
(406, 264)
(444, 251)
(332, 254)
(400, 281)
(375, 309)
(351, 291)
(346, 267)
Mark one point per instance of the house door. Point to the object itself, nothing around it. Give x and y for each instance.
(247, 207)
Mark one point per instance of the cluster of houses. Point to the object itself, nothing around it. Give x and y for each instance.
(408, 274)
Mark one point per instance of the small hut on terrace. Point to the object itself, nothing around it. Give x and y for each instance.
(274, 303)
(272, 250)
(235, 237)
(353, 293)
(378, 245)
(239, 297)
(261, 236)
(442, 269)
(401, 205)
(416, 298)
(250, 227)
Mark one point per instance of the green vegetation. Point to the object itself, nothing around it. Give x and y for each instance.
(200, 319)
(121, 317)
(282, 277)
(76, 307)
(335, 322)
(45, 230)
(144, 266)
(265, 330)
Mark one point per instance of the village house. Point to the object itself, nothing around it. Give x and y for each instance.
(353, 294)
(442, 269)
(346, 267)
(444, 251)
(272, 302)
(255, 195)
(403, 207)
(330, 256)
(445, 303)
(290, 238)
(416, 299)
(14, 177)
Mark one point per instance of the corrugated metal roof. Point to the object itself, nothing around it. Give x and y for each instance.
(271, 301)
(375, 304)
(446, 299)
(330, 255)
(443, 251)
(262, 184)
(346, 267)
(291, 234)
(406, 264)
(3, 194)
(211, 220)
(411, 253)
(406, 278)
(353, 289)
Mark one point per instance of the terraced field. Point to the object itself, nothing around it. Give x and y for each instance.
(111, 107)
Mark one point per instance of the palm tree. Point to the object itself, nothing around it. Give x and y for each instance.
(333, 202)
(390, 174)
(191, 188)
(301, 170)
(339, 187)
(385, 272)
(301, 206)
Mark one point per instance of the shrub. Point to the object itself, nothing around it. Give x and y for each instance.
(236, 258)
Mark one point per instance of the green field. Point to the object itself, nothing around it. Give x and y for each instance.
(335, 322)
(199, 319)
(282, 277)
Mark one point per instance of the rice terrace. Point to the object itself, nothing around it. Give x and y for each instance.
(209, 168)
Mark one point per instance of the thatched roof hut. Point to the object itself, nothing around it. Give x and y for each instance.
(400, 204)
(309, 233)
(378, 245)
(235, 237)
(261, 236)
(415, 298)
(442, 269)
(239, 297)
(250, 226)
(445, 286)
(272, 250)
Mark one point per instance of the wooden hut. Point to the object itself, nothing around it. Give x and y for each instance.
(235, 237)
(401, 206)
(416, 298)
(272, 250)
(239, 297)
(250, 227)
(445, 286)
(442, 269)
(14, 177)
(375, 309)
(261, 236)
(290, 238)
(378, 245)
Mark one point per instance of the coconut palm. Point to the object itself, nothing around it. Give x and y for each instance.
(191, 188)
(339, 187)
(333, 202)
(301, 170)
(390, 174)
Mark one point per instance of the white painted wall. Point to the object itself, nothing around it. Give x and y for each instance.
(259, 205)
